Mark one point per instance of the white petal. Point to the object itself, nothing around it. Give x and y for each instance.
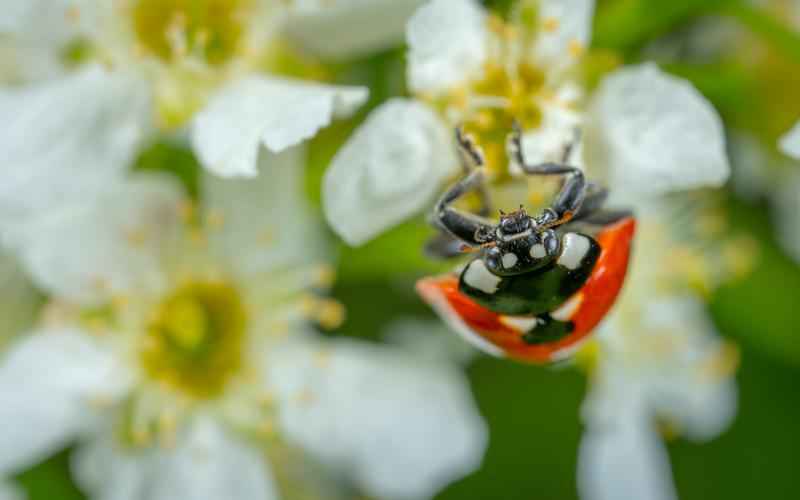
(358, 26)
(278, 113)
(390, 169)
(447, 41)
(399, 426)
(109, 245)
(265, 222)
(47, 382)
(49, 22)
(35, 33)
(572, 20)
(106, 471)
(207, 464)
(211, 465)
(672, 363)
(624, 460)
(655, 133)
(64, 140)
(9, 491)
(786, 210)
(790, 142)
(559, 126)
(683, 385)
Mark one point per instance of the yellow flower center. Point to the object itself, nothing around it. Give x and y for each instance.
(211, 30)
(515, 93)
(195, 339)
(511, 87)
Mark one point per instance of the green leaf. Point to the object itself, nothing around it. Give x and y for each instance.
(50, 480)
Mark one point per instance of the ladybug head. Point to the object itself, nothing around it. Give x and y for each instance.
(515, 223)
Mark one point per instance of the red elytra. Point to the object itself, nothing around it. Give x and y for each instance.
(497, 334)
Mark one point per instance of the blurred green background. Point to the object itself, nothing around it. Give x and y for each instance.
(533, 413)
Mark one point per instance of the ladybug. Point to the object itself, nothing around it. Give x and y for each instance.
(538, 285)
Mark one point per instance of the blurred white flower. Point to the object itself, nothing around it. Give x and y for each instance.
(176, 355)
(790, 143)
(660, 369)
(643, 129)
(96, 78)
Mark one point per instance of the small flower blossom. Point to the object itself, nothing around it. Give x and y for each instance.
(646, 130)
(91, 81)
(176, 353)
(790, 142)
(660, 369)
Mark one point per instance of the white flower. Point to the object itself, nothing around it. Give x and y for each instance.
(790, 142)
(470, 68)
(362, 196)
(659, 362)
(656, 133)
(673, 370)
(175, 353)
(214, 71)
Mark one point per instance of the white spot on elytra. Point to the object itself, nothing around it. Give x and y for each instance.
(538, 251)
(520, 323)
(576, 246)
(509, 260)
(477, 276)
(568, 308)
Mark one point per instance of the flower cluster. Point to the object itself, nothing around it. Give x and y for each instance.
(176, 348)
(175, 328)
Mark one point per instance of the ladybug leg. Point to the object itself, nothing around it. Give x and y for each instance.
(595, 199)
(573, 191)
(472, 159)
(469, 228)
(460, 228)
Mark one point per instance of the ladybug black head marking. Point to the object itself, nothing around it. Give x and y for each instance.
(516, 222)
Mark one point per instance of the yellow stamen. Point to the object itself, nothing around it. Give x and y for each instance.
(551, 24)
(212, 30)
(576, 48)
